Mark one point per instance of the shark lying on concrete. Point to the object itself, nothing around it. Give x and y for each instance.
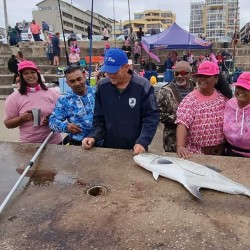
(191, 175)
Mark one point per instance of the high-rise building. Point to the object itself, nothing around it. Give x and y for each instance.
(73, 18)
(151, 19)
(215, 19)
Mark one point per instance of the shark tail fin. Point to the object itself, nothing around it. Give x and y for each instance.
(194, 190)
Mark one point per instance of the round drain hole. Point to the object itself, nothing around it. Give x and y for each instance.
(97, 190)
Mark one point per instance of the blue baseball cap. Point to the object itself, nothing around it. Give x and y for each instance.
(114, 59)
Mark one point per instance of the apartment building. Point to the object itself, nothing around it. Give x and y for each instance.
(215, 19)
(73, 18)
(245, 30)
(151, 19)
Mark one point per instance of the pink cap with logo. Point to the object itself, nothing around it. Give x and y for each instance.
(243, 81)
(26, 65)
(208, 68)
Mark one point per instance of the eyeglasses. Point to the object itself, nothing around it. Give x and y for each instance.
(73, 66)
(182, 73)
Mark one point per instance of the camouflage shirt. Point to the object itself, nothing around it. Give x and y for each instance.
(168, 100)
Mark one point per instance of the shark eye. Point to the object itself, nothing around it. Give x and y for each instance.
(164, 161)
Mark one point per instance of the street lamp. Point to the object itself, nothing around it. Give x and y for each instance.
(6, 18)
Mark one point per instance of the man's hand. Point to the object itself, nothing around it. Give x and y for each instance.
(138, 149)
(88, 142)
(72, 128)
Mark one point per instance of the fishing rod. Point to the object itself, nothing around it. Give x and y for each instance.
(31, 163)
(66, 52)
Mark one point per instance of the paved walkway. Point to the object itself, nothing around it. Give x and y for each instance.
(10, 135)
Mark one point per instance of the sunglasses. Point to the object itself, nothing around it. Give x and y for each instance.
(73, 66)
(182, 73)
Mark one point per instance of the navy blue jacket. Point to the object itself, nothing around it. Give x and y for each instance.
(127, 118)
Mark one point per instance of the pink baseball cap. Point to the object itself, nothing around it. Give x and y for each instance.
(26, 65)
(208, 68)
(243, 81)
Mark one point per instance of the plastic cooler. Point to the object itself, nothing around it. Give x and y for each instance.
(64, 88)
(160, 78)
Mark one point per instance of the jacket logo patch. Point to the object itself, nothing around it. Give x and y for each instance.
(131, 102)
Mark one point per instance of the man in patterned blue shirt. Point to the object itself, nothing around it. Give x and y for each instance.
(73, 113)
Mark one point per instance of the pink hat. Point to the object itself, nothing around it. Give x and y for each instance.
(243, 81)
(208, 68)
(26, 65)
(107, 45)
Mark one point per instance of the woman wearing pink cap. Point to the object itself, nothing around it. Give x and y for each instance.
(236, 125)
(31, 94)
(200, 114)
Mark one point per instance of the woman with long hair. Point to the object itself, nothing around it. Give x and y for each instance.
(32, 93)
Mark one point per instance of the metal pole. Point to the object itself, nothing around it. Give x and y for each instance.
(8, 197)
(114, 21)
(66, 52)
(130, 29)
(91, 40)
(235, 28)
(6, 18)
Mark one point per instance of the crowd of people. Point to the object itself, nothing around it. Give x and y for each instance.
(198, 110)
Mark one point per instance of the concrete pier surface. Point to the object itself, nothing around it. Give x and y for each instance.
(63, 209)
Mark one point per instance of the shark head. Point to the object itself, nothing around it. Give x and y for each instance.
(148, 161)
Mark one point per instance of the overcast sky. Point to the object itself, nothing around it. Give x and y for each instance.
(19, 10)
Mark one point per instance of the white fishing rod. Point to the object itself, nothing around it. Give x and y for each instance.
(8, 197)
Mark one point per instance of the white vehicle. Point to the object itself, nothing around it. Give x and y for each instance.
(3, 39)
(26, 35)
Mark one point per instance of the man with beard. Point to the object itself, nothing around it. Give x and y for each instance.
(126, 113)
(73, 113)
(169, 98)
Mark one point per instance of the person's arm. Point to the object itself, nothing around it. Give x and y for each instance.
(12, 116)
(98, 128)
(58, 119)
(150, 118)
(166, 104)
(17, 121)
(181, 136)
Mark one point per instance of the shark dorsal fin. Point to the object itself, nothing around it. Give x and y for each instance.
(156, 175)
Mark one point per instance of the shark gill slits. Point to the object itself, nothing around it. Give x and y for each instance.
(164, 161)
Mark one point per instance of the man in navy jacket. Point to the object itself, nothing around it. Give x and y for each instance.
(126, 113)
